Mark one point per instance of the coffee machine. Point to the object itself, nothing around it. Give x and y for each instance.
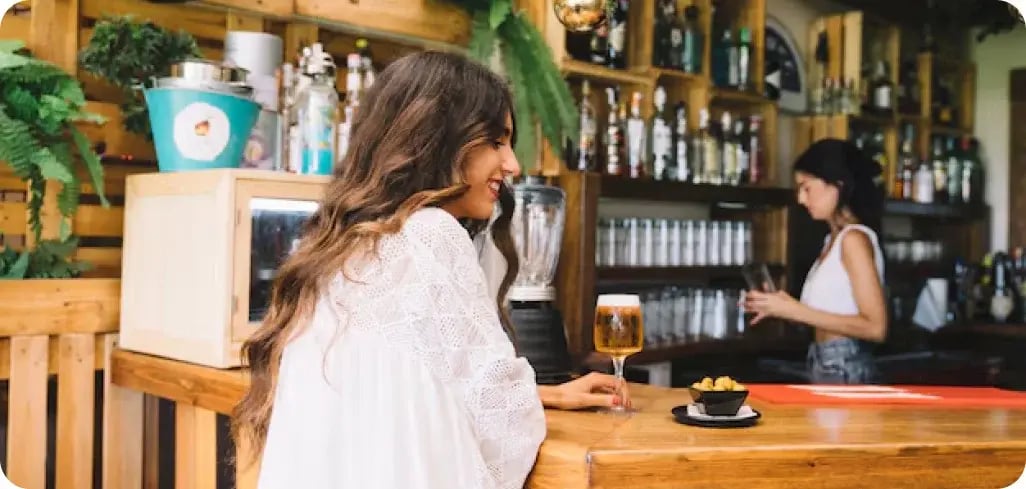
(537, 229)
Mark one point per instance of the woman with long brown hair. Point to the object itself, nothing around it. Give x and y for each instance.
(383, 360)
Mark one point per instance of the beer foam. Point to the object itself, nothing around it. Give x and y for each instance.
(618, 300)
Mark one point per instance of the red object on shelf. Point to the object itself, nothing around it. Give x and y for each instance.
(876, 395)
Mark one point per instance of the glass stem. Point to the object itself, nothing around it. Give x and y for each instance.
(618, 361)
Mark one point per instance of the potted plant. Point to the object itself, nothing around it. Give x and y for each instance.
(39, 107)
(129, 55)
(505, 37)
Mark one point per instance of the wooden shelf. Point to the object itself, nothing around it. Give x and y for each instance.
(636, 275)
(948, 211)
(938, 129)
(730, 96)
(669, 191)
(874, 119)
(591, 71)
(745, 344)
(1008, 330)
(676, 75)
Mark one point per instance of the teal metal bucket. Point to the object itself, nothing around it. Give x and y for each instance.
(199, 129)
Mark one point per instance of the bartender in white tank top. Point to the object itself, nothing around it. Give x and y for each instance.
(842, 298)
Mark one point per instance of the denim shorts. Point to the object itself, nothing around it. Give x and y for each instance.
(840, 361)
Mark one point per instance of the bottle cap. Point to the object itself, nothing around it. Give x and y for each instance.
(660, 96)
(353, 61)
(361, 43)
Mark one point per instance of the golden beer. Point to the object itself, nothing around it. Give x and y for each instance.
(618, 325)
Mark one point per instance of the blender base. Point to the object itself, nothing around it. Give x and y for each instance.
(541, 338)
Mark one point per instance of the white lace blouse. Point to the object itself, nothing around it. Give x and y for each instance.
(404, 378)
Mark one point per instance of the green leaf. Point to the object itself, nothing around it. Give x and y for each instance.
(499, 11)
(482, 38)
(18, 269)
(92, 163)
(11, 45)
(526, 148)
(50, 167)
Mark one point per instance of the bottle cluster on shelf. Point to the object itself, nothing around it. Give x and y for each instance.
(643, 242)
(832, 97)
(315, 134)
(992, 290)
(724, 152)
(606, 45)
(952, 174)
(677, 39)
(676, 315)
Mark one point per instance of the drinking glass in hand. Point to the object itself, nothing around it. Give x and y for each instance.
(758, 277)
(618, 333)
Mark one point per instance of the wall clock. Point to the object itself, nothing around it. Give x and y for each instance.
(785, 69)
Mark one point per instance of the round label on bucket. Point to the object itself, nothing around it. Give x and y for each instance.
(201, 131)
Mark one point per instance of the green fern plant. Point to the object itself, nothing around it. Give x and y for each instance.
(129, 54)
(39, 105)
(541, 95)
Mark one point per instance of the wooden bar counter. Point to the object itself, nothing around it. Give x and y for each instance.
(790, 447)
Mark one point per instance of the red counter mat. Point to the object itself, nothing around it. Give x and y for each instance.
(869, 395)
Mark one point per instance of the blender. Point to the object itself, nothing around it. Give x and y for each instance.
(537, 229)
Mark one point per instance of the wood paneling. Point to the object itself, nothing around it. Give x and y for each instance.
(42, 307)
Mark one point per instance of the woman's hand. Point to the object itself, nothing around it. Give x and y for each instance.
(771, 304)
(592, 390)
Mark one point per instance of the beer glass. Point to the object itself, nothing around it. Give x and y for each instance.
(618, 333)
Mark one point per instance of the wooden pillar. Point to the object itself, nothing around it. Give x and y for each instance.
(195, 447)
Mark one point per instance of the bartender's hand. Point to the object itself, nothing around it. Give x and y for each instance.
(778, 304)
(591, 390)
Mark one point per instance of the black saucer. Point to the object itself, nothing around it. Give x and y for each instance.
(680, 414)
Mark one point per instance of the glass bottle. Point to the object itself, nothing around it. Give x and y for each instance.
(692, 50)
(940, 172)
(661, 140)
(636, 139)
(317, 115)
(614, 136)
(681, 142)
(954, 173)
(744, 57)
(617, 45)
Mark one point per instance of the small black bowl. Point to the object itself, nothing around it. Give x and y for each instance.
(719, 403)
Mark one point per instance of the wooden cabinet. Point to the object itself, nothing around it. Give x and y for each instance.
(200, 250)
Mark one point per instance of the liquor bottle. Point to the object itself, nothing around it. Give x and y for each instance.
(584, 157)
(940, 172)
(883, 90)
(681, 143)
(728, 151)
(744, 57)
(741, 147)
(879, 154)
(923, 182)
(906, 162)
(636, 134)
(617, 45)
(673, 58)
(666, 35)
(954, 173)
(354, 92)
(755, 150)
(725, 61)
(968, 193)
(692, 50)
(698, 149)
(817, 79)
(661, 140)
(1002, 299)
(711, 159)
(366, 64)
(599, 45)
(614, 136)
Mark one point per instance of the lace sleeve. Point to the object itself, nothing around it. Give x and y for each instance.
(433, 298)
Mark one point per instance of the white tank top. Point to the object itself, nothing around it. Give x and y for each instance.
(827, 287)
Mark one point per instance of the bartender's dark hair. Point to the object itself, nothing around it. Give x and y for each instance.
(857, 176)
(411, 137)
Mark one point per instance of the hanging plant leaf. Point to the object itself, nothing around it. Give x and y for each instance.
(499, 11)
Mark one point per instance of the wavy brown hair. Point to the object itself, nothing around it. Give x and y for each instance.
(411, 136)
